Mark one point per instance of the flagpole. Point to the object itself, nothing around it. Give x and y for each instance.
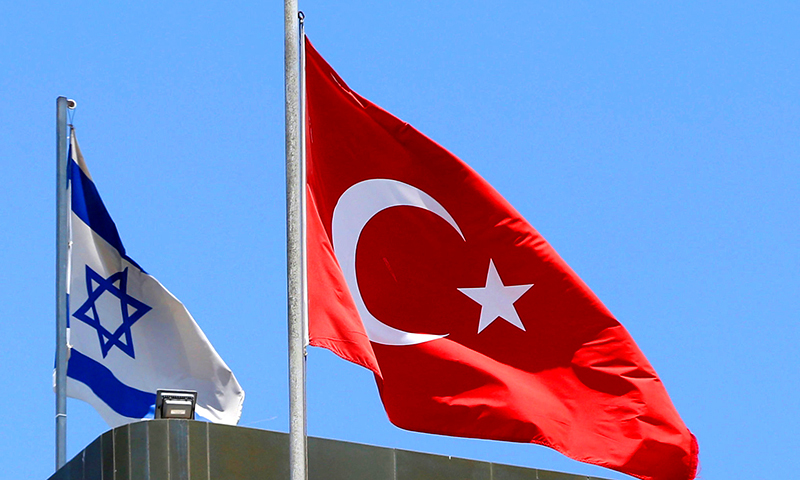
(62, 238)
(298, 456)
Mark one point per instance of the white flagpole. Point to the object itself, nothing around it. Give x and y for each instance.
(298, 448)
(62, 238)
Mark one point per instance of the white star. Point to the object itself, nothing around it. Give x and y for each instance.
(497, 299)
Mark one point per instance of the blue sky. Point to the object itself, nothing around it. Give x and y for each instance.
(655, 145)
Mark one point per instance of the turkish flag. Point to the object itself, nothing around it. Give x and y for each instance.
(473, 325)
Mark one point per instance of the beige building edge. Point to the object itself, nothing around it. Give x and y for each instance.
(191, 450)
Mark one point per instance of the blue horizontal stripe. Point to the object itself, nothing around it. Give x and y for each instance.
(126, 401)
(89, 207)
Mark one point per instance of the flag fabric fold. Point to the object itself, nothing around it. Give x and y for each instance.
(127, 335)
(472, 324)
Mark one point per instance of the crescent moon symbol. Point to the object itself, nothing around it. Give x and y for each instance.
(357, 205)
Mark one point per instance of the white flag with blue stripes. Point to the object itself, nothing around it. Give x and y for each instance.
(129, 336)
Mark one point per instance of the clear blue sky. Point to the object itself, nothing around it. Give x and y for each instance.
(656, 145)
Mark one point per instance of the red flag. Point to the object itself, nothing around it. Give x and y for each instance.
(473, 325)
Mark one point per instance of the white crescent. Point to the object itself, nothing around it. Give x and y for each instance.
(357, 205)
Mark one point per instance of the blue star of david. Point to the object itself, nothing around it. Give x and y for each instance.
(131, 309)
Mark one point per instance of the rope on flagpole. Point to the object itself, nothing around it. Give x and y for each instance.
(71, 106)
(303, 230)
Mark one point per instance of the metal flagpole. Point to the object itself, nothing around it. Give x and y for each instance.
(62, 238)
(298, 457)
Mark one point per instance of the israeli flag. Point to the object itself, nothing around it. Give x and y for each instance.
(128, 336)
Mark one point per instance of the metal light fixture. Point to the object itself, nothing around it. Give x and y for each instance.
(175, 404)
